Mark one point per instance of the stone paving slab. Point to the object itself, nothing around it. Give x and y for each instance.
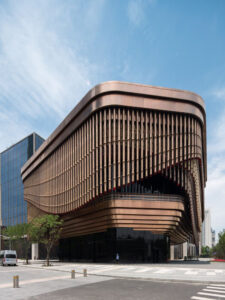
(37, 281)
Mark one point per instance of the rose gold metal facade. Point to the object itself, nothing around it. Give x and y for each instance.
(117, 137)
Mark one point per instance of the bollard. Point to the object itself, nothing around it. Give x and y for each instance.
(16, 281)
(73, 274)
(85, 272)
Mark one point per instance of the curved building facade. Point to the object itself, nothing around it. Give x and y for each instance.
(126, 170)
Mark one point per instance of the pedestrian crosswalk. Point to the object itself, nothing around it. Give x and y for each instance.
(141, 269)
(211, 292)
(145, 271)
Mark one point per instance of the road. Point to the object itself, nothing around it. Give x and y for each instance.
(117, 289)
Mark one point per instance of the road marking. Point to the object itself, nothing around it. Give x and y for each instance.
(191, 273)
(201, 298)
(218, 271)
(143, 270)
(108, 269)
(221, 285)
(211, 290)
(163, 271)
(131, 268)
(210, 273)
(215, 287)
(214, 295)
(5, 285)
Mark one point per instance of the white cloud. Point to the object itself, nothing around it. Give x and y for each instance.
(216, 144)
(136, 10)
(42, 70)
(215, 192)
(220, 93)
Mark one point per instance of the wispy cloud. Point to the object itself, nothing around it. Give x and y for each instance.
(215, 193)
(216, 143)
(42, 70)
(136, 10)
(219, 93)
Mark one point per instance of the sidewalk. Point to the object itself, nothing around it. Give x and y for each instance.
(198, 272)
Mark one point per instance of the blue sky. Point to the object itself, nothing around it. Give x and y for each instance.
(53, 51)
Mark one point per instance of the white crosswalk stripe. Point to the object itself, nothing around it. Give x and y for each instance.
(191, 273)
(220, 285)
(211, 294)
(201, 298)
(215, 287)
(210, 273)
(214, 291)
(142, 270)
(163, 271)
(218, 271)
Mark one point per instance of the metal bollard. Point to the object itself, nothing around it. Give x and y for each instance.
(16, 281)
(85, 272)
(73, 274)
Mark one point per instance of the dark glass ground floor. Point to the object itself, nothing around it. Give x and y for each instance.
(132, 246)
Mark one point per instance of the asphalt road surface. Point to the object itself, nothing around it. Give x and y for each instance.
(117, 289)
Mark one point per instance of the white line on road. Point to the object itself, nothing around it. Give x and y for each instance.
(211, 286)
(163, 271)
(191, 273)
(221, 285)
(218, 271)
(210, 273)
(213, 295)
(211, 290)
(108, 269)
(201, 298)
(143, 270)
(130, 268)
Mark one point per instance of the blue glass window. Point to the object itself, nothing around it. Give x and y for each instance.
(14, 208)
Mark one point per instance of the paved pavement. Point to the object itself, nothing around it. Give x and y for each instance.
(202, 272)
(39, 281)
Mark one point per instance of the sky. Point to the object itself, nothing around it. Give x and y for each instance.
(53, 51)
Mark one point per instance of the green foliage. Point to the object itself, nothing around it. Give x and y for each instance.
(220, 247)
(19, 232)
(46, 229)
(206, 251)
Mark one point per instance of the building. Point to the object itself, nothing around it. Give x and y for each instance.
(126, 171)
(13, 208)
(207, 230)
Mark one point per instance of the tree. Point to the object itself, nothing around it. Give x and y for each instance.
(220, 247)
(206, 251)
(19, 232)
(46, 229)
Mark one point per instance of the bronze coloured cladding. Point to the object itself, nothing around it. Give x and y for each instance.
(118, 135)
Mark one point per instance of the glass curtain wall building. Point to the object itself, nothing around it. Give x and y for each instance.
(13, 207)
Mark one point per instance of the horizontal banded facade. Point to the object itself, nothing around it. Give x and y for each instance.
(128, 156)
